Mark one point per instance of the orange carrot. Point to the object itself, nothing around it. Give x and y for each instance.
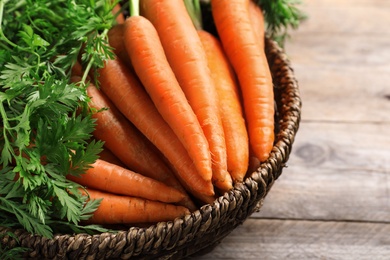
(233, 122)
(254, 162)
(127, 143)
(187, 58)
(245, 52)
(112, 178)
(116, 41)
(127, 93)
(77, 70)
(120, 18)
(257, 20)
(150, 63)
(120, 209)
(122, 138)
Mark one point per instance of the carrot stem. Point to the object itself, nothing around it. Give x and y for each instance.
(92, 60)
(134, 8)
(194, 10)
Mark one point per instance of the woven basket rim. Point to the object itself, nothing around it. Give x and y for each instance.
(174, 238)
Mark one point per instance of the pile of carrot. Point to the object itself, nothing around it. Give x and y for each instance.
(182, 112)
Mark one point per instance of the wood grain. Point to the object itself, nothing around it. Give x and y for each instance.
(342, 195)
(341, 146)
(269, 239)
(340, 55)
(333, 178)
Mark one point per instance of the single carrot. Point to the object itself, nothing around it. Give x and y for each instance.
(120, 209)
(112, 178)
(77, 70)
(149, 62)
(257, 19)
(120, 18)
(116, 41)
(128, 94)
(245, 52)
(254, 162)
(187, 58)
(233, 121)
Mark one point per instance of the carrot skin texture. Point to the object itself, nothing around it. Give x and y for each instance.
(131, 147)
(112, 178)
(122, 138)
(233, 121)
(120, 209)
(257, 20)
(187, 58)
(125, 90)
(77, 70)
(170, 180)
(149, 62)
(245, 52)
(120, 17)
(128, 144)
(116, 41)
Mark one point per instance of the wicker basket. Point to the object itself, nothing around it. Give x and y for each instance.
(202, 230)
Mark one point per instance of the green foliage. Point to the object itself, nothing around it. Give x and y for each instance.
(44, 137)
(280, 16)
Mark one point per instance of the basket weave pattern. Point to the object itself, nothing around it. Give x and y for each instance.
(203, 229)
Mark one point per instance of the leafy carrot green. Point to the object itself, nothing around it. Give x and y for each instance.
(280, 17)
(42, 137)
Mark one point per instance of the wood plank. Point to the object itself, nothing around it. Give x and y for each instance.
(335, 172)
(340, 56)
(350, 3)
(338, 74)
(343, 3)
(334, 146)
(344, 95)
(325, 194)
(345, 17)
(289, 239)
(364, 54)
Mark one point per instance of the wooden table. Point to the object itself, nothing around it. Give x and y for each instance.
(333, 200)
